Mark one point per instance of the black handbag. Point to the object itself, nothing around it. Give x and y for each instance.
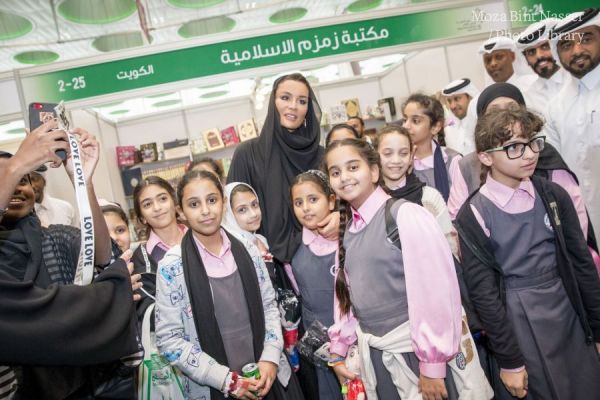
(114, 381)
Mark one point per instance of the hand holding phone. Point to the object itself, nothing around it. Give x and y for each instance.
(40, 146)
(40, 113)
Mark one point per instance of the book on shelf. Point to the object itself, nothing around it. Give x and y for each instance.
(247, 130)
(391, 104)
(229, 136)
(337, 115)
(176, 149)
(198, 146)
(126, 155)
(388, 106)
(171, 173)
(149, 152)
(352, 108)
(226, 163)
(130, 178)
(212, 139)
(324, 118)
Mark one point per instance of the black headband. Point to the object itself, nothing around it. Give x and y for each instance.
(533, 36)
(490, 46)
(465, 82)
(587, 15)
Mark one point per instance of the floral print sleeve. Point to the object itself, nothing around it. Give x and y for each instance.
(176, 336)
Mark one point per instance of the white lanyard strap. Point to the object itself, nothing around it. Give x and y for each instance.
(146, 260)
(85, 265)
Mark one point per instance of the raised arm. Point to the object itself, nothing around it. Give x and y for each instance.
(90, 153)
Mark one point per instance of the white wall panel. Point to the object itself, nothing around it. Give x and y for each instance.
(395, 85)
(110, 140)
(427, 71)
(464, 62)
(217, 116)
(153, 128)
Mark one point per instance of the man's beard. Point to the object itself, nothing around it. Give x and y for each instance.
(547, 71)
(581, 72)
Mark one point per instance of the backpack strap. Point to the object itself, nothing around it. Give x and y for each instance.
(391, 227)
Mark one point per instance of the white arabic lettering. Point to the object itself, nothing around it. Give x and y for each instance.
(288, 46)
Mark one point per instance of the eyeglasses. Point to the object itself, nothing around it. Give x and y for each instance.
(516, 150)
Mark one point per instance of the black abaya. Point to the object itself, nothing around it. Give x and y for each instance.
(270, 163)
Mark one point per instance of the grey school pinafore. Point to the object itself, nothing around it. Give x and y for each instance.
(470, 169)
(378, 293)
(427, 175)
(559, 363)
(315, 278)
(231, 311)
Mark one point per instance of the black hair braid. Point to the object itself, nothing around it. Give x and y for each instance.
(341, 286)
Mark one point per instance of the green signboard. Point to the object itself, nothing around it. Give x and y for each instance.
(218, 58)
(525, 12)
(211, 59)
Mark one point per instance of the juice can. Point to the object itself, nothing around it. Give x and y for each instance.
(251, 371)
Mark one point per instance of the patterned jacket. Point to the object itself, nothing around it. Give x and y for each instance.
(176, 336)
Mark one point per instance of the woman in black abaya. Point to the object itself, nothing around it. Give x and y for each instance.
(287, 146)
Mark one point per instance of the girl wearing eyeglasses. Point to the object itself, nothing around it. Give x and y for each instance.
(527, 268)
(550, 165)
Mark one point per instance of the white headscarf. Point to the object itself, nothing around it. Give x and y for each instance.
(535, 34)
(231, 224)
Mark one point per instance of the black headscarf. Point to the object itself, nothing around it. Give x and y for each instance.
(21, 248)
(203, 308)
(496, 90)
(440, 173)
(412, 191)
(270, 163)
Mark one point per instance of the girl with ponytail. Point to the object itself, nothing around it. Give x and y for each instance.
(399, 301)
(434, 163)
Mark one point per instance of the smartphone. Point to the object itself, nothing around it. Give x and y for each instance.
(40, 113)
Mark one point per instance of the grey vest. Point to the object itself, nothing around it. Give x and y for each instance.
(523, 243)
(376, 276)
(470, 169)
(315, 278)
(231, 311)
(427, 175)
